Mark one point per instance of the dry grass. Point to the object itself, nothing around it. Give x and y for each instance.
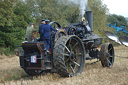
(12, 74)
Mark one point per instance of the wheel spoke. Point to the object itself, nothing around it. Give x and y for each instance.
(72, 69)
(65, 54)
(67, 66)
(76, 63)
(74, 46)
(108, 55)
(69, 44)
(111, 56)
(109, 49)
(109, 61)
(37, 71)
(67, 48)
(67, 60)
(78, 54)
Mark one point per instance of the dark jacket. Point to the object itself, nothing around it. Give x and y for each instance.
(40, 28)
(46, 31)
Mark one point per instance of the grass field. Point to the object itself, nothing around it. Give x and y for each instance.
(12, 74)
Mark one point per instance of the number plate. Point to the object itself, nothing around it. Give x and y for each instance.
(33, 59)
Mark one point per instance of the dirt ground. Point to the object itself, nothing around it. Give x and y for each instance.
(95, 74)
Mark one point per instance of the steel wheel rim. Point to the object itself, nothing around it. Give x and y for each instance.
(73, 56)
(110, 57)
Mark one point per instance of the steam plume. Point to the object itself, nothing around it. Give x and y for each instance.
(81, 3)
(82, 7)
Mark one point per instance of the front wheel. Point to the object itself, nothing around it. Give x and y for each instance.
(107, 55)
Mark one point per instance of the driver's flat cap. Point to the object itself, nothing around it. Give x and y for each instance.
(43, 20)
(47, 20)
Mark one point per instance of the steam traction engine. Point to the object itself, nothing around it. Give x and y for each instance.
(70, 48)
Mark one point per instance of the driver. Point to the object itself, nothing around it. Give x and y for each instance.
(46, 32)
(40, 28)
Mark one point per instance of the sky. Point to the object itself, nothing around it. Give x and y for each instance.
(119, 7)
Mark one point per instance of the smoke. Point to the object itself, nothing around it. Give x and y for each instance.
(82, 6)
(81, 3)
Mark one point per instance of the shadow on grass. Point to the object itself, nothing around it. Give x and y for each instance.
(15, 74)
(12, 74)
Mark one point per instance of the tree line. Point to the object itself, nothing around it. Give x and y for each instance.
(15, 15)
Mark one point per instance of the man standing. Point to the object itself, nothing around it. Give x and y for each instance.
(29, 32)
(40, 28)
(46, 31)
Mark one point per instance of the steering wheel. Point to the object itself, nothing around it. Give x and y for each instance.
(60, 32)
(56, 25)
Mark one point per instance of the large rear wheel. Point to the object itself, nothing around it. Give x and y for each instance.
(69, 56)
